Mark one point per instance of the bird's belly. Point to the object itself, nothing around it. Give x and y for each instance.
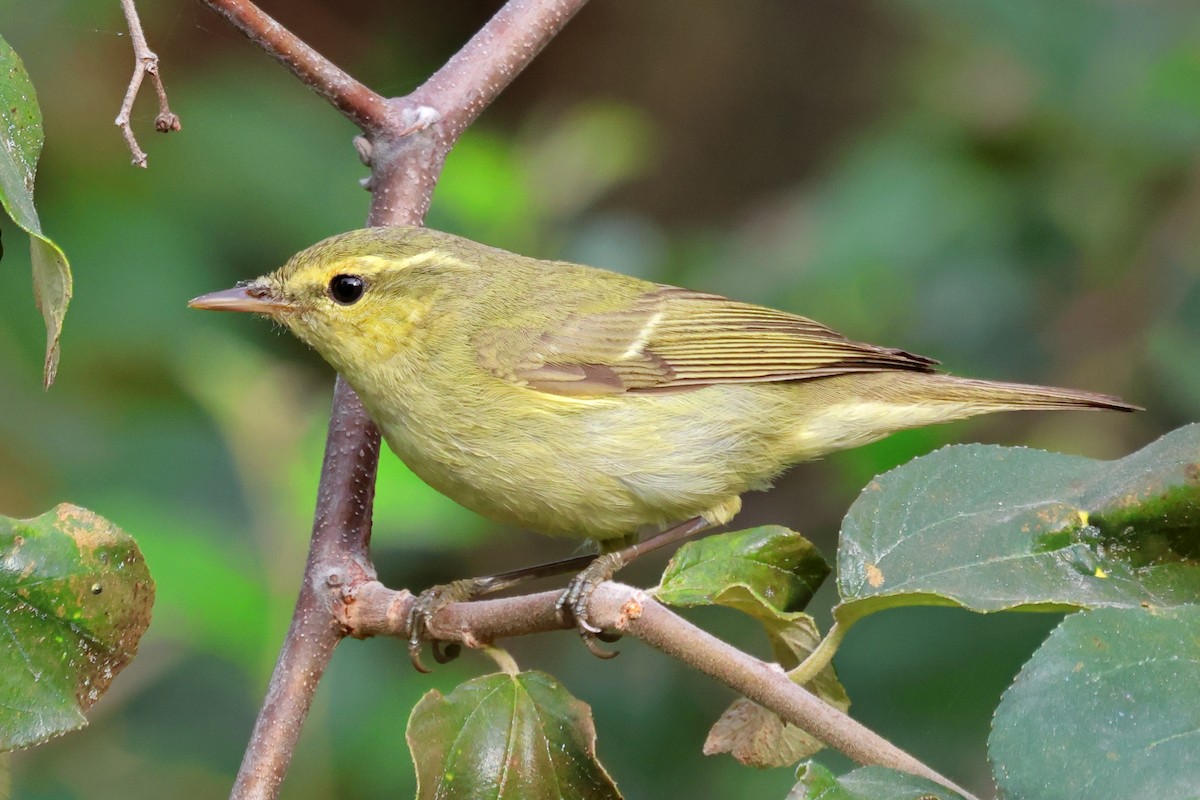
(589, 469)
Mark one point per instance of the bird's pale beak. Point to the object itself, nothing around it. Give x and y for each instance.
(253, 297)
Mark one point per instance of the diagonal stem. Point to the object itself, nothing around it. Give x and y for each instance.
(360, 105)
(477, 73)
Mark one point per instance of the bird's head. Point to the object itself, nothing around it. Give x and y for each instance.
(354, 297)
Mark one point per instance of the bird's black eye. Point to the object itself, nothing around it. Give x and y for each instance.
(346, 289)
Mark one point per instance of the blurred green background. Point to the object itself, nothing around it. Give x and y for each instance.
(1011, 186)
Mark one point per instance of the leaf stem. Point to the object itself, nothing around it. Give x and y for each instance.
(821, 655)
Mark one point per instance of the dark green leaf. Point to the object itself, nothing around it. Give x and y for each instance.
(761, 571)
(867, 783)
(75, 598)
(769, 573)
(520, 737)
(992, 528)
(20, 147)
(1109, 707)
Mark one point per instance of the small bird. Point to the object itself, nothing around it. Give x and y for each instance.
(579, 402)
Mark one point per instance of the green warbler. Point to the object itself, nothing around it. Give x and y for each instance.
(579, 402)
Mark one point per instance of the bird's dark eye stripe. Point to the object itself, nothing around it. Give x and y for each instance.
(346, 289)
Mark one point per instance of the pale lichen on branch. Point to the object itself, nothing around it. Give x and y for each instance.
(145, 63)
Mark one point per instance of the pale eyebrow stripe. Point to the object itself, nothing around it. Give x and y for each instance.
(429, 256)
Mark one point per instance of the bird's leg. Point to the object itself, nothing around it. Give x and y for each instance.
(435, 598)
(574, 600)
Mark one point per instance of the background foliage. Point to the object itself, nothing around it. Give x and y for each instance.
(1010, 187)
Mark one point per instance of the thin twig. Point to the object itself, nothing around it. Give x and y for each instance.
(372, 610)
(145, 62)
(360, 105)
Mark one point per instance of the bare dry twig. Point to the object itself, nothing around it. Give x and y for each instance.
(145, 62)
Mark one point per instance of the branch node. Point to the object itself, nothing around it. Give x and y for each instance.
(417, 118)
(167, 122)
(631, 610)
(364, 148)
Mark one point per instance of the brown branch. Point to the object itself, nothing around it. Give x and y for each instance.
(473, 78)
(360, 105)
(372, 609)
(337, 556)
(145, 62)
(406, 164)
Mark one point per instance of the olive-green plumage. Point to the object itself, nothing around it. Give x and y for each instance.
(579, 402)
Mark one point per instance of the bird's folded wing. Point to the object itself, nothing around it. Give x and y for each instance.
(674, 339)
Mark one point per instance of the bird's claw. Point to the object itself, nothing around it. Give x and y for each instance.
(572, 605)
(428, 603)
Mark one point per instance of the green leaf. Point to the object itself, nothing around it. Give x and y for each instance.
(763, 572)
(867, 783)
(20, 147)
(521, 737)
(75, 598)
(769, 573)
(1117, 693)
(993, 528)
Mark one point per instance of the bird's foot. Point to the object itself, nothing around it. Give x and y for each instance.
(572, 605)
(428, 603)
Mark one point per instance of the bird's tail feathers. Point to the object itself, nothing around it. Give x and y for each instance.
(1018, 396)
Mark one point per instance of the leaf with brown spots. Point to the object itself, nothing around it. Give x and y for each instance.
(75, 598)
(996, 528)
